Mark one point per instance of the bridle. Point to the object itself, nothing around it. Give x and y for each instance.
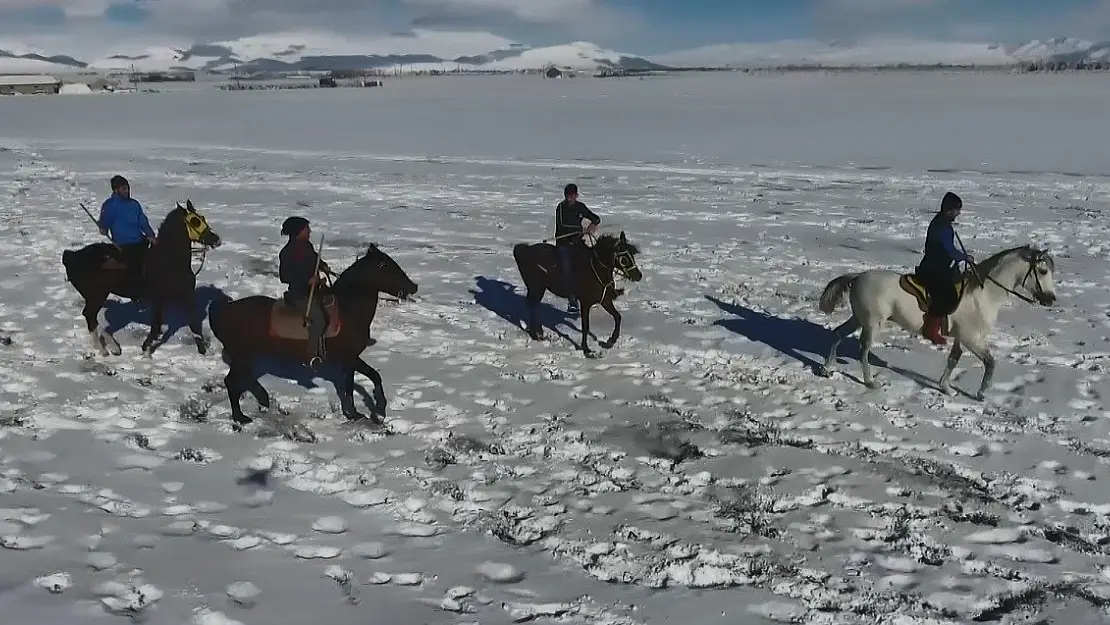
(1038, 257)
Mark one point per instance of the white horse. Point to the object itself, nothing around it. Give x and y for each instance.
(876, 297)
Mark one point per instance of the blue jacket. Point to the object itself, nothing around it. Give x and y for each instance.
(940, 247)
(125, 220)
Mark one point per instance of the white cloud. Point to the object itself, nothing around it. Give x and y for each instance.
(535, 11)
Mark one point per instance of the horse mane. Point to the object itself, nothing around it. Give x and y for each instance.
(987, 267)
(607, 243)
(372, 249)
(175, 216)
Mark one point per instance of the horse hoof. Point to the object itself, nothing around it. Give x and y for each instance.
(824, 372)
(871, 385)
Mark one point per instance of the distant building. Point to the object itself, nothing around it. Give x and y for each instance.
(29, 85)
(553, 72)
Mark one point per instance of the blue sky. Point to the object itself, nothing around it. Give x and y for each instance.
(638, 26)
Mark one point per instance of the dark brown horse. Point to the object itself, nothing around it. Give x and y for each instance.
(258, 325)
(96, 272)
(593, 274)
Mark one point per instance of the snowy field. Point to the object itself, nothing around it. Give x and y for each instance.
(699, 472)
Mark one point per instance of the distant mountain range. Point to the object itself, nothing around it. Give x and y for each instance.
(288, 52)
(276, 55)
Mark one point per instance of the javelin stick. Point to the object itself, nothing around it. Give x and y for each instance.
(315, 274)
(96, 223)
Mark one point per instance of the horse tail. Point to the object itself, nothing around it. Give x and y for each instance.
(833, 295)
(518, 251)
(214, 308)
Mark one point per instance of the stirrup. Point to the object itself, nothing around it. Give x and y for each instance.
(314, 362)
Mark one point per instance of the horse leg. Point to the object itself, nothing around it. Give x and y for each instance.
(155, 326)
(611, 308)
(197, 328)
(866, 338)
(983, 353)
(841, 332)
(586, 329)
(379, 387)
(233, 384)
(255, 388)
(535, 298)
(950, 364)
(98, 336)
(345, 388)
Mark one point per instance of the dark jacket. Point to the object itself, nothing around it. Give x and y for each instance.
(296, 264)
(568, 221)
(940, 247)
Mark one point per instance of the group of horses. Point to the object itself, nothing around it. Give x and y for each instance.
(259, 326)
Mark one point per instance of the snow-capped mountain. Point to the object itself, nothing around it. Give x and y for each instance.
(446, 51)
(282, 52)
(880, 52)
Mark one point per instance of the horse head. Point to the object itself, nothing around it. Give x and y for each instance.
(1026, 268)
(194, 224)
(1041, 268)
(618, 253)
(378, 271)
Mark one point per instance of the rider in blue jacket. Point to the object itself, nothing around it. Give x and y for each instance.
(938, 270)
(123, 218)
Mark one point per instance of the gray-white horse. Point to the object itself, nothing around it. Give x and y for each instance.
(878, 296)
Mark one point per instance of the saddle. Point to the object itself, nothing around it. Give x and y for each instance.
(913, 286)
(287, 322)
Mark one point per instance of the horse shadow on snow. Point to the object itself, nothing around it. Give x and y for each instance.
(119, 313)
(799, 339)
(502, 298)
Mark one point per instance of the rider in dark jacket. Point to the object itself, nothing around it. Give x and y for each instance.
(938, 271)
(297, 269)
(568, 235)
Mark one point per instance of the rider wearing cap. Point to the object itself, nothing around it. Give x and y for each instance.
(297, 269)
(568, 235)
(123, 218)
(938, 270)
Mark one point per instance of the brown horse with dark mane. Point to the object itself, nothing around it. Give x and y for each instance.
(97, 271)
(593, 271)
(257, 326)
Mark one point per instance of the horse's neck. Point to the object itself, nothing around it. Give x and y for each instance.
(1002, 278)
(172, 250)
(602, 263)
(358, 308)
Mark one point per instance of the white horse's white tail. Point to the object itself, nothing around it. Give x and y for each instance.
(833, 295)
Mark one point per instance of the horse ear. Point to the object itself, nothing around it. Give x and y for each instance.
(622, 237)
(189, 205)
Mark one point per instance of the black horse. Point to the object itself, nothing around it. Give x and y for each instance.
(96, 271)
(257, 326)
(593, 273)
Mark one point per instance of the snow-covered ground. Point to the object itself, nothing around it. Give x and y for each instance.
(698, 472)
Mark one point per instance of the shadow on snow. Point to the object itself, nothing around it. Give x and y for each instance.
(501, 298)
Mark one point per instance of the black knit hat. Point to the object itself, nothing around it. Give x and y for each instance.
(294, 226)
(951, 201)
(119, 181)
(570, 188)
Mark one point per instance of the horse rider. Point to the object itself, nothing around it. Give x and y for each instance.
(568, 236)
(938, 270)
(297, 269)
(123, 217)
